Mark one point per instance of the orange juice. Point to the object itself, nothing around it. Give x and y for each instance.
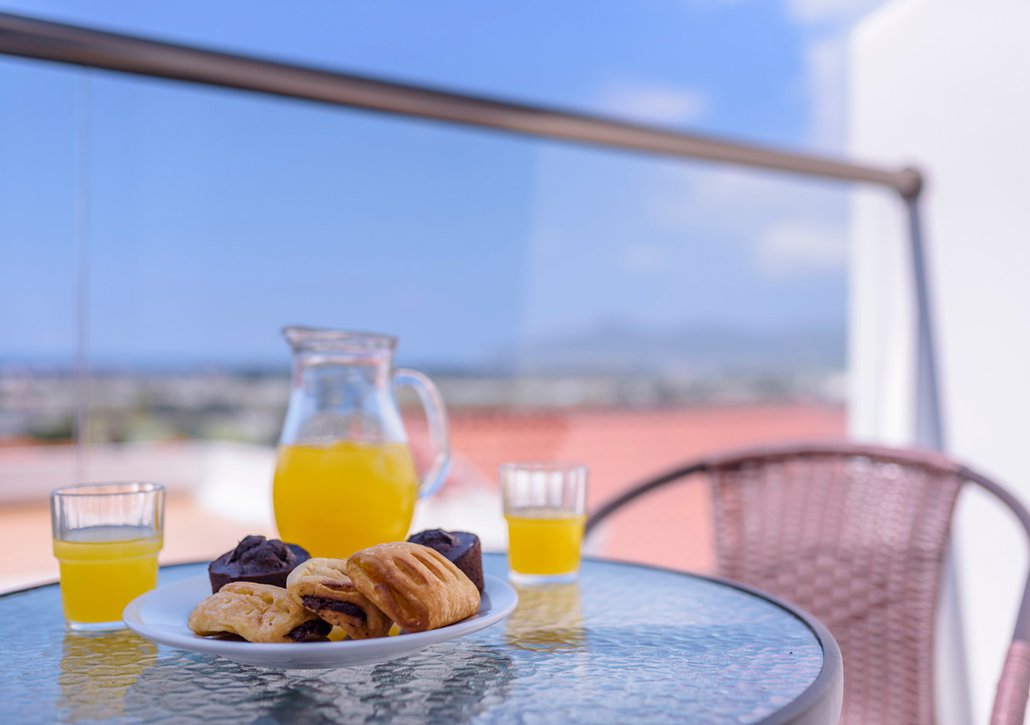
(103, 568)
(544, 542)
(334, 500)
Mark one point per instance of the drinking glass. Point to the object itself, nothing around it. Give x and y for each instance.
(106, 539)
(545, 506)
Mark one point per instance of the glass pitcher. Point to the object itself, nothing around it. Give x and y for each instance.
(344, 478)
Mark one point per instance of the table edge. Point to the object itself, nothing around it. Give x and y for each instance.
(822, 700)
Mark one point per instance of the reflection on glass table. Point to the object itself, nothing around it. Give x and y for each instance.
(549, 618)
(97, 672)
(623, 643)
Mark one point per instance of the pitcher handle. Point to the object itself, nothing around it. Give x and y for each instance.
(436, 415)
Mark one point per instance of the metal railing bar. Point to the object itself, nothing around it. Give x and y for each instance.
(44, 40)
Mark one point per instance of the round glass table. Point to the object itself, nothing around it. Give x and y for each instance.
(625, 643)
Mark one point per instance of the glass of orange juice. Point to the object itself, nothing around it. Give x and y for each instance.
(545, 506)
(106, 539)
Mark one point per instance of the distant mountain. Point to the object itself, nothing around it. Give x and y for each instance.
(695, 350)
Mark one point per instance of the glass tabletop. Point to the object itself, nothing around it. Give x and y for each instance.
(625, 642)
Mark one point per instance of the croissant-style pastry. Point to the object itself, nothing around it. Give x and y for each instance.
(322, 586)
(417, 587)
(258, 613)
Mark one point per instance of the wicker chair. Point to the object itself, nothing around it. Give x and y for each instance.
(857, 536)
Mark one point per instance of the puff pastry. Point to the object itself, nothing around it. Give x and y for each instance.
(417, 587)
(323, 587)
(258, 613)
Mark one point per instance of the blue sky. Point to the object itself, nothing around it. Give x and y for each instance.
(213, 217)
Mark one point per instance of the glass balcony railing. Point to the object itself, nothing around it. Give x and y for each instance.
(575, 302)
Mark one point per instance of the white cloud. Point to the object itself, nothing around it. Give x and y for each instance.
(811, 12)
(836, 12)
(789, 228)
(825, 86)
(736, 199)
(653, 103)
(800, 247)
(824, 83)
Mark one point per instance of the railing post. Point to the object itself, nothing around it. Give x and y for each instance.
(951, 670)
(929, 430)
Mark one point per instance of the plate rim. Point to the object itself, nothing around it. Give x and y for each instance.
(411, 641)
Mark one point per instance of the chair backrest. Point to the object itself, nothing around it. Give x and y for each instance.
(857, 536)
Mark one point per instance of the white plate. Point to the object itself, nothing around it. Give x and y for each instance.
(161, 615)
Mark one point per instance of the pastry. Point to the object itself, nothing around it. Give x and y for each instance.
(256, 559)
(258, 613)
(323, 587)
(417, 587)
(460, 547)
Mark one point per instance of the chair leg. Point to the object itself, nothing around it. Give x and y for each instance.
(1013, 686)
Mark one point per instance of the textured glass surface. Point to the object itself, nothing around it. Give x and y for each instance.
(624, 643)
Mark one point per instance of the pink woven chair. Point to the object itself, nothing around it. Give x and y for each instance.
(857, 536)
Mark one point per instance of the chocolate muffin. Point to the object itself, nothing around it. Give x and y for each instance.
(460, 547)
(256, 559)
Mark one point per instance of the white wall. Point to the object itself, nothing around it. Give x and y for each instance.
(946, 84)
